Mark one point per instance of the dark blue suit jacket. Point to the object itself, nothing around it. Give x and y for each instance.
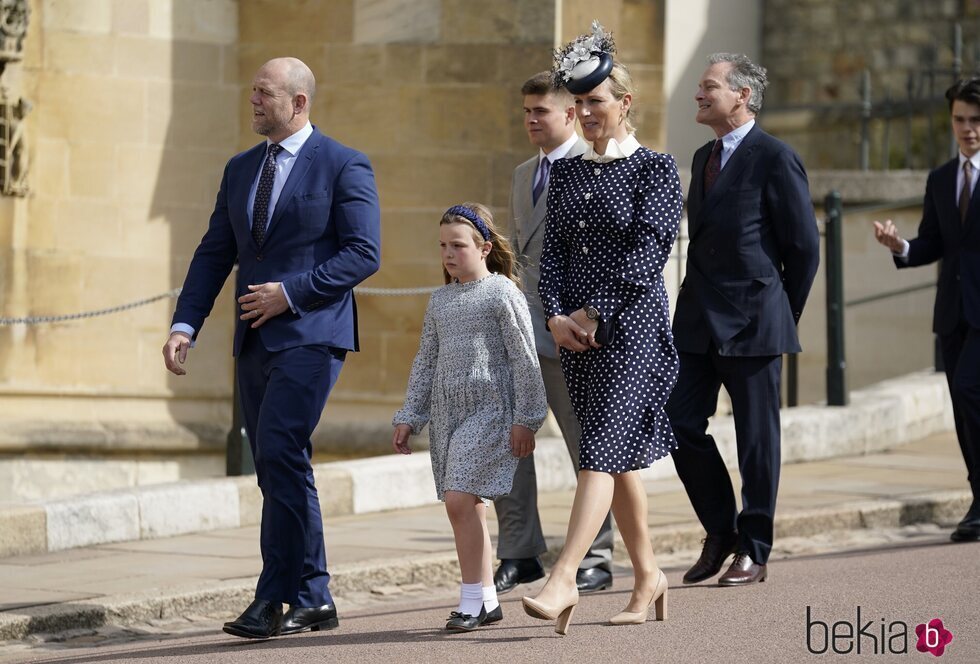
(943, 236)
(324, 238)
(753, 253)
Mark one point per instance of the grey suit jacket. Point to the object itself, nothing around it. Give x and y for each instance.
(527, 238)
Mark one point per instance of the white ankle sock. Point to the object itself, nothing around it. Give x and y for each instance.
(470, 598)
(490, 598)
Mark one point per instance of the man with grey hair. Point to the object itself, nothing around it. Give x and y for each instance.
(752, 257)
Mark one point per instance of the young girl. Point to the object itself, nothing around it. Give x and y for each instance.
(477, 383)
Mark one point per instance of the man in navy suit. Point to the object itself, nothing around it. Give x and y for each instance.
(950, 231)
(299, 213)
(752, 257)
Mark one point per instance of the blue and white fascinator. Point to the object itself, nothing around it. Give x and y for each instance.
(584, 62)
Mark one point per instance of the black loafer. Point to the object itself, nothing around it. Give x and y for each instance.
(494, 616)
(968, 530)
(300, 619)
(261, 620)
(464, 622)
(592, 580)
(513, 571)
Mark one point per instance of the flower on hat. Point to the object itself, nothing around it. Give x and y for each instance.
(581, 49)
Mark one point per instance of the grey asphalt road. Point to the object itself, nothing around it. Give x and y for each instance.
(896, 587)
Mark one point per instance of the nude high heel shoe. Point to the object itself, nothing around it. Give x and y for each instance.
(659, 600)
(562, 615)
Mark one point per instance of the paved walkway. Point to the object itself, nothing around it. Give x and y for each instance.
(922, 482)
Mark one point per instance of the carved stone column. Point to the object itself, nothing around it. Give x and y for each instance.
(14, 15)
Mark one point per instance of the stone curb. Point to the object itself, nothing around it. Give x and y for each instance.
(441, 568)
(885, 415)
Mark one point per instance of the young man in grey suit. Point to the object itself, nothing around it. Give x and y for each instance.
(549, 117)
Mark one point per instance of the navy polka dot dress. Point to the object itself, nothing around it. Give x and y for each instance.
(609, 232)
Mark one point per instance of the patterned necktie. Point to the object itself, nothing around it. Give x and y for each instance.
(713, 167)
(544, 168)
(263, 194)
(966, 190)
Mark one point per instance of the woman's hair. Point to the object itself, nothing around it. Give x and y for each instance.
(501, 256)
(620, 85)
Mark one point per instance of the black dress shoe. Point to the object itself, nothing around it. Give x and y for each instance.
(299, 619)
(968, 530)
(716, 549)
(261, 620)
(464, 622)
(513, 571)
(592, 580)
(494, 616)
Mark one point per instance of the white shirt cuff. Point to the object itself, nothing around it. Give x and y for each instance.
(289, 301)
(904, 255)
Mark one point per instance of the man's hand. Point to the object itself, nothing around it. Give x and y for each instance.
(400, 440)
(888, 235)
(587, 324)
(568, 334)
(521, 441)
(264, 302)
(175, 352)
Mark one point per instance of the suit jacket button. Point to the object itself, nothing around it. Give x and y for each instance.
(259, 258)
(711, 251)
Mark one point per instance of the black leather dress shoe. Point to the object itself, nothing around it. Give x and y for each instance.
(716, 549)
(261, 620)
(299, 619)
(494, 616)
(464, 622)
(968, 530)
(513, 571)
(592, 579)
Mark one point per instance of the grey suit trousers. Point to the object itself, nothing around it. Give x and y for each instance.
(519, 525)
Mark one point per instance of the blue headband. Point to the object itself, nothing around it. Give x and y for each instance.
(472, 217)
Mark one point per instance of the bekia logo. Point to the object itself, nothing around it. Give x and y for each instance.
(873, 637)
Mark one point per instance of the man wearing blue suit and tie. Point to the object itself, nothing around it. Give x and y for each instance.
(299, 213)
(950, 231)
(752, 257)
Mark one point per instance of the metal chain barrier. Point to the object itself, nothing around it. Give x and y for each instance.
(37, 320)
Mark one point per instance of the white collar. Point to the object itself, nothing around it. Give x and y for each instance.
(558, 152)
(614, 150)
(974, 160)
(731, 140)
(293, 143)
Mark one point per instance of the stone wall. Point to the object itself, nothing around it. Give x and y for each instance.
(134, 113)
(815, 51)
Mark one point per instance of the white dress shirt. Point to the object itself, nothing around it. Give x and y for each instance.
(553, 156)
(731, 140)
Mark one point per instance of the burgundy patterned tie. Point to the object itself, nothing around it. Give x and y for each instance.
(263, 194)
(966, 191)
(713, 167)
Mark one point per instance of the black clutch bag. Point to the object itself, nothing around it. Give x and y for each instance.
(605, 334)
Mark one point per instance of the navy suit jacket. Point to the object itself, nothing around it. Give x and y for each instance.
(324, 238)
(943, 236)
(753, 252)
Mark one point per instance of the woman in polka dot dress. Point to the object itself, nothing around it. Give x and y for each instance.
(613, 216)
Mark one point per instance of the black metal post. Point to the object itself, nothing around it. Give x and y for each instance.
(238, 458)
(792, 380)
(836, 365)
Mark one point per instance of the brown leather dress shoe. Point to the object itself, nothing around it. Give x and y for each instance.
(716, 549)
(743, 571)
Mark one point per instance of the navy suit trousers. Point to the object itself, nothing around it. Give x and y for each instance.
(283, 394)
(961, 358)
(753, 385)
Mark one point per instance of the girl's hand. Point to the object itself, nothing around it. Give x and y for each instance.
(569, 334)
(400, 440)
(521, 441)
